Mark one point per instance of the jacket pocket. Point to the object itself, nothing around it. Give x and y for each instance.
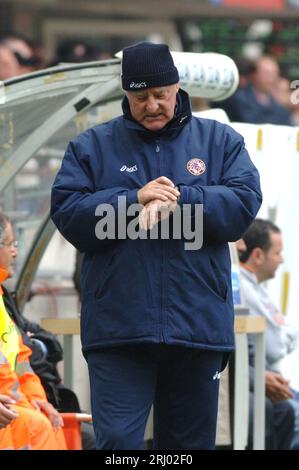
(217, 280)
(104, 270)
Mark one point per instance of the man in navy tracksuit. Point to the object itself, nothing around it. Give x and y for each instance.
(157, 318)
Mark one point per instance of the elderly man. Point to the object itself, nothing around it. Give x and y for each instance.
(157, 315)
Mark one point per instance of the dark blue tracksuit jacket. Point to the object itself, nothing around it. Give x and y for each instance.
(153, 291)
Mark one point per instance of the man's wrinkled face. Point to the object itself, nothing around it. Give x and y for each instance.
(8, 251)
(153, 108)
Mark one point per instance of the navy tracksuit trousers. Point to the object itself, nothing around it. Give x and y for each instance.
(182, 383)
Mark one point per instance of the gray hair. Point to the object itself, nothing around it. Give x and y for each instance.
(4, 220)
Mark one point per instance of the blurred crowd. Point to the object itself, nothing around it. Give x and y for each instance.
(265, 93)
(19, 55)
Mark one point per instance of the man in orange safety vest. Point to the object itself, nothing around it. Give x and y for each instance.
(27, 419)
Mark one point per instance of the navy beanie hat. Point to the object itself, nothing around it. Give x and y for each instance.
(147, 65)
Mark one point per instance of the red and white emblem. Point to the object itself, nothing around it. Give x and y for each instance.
(196, 166)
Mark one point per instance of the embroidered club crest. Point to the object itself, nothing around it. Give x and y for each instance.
(196, 166)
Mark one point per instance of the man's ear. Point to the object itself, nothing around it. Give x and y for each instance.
(257, 255)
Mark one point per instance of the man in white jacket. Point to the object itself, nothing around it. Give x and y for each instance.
(260, 259)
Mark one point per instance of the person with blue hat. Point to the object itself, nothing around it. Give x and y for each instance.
(157, 318)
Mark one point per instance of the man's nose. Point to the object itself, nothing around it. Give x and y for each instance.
(152, 104)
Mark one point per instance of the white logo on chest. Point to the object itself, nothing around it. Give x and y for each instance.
(129, 169)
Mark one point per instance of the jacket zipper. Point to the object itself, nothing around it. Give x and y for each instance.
(161, 333)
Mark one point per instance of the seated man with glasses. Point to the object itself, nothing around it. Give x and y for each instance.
(37, 424)
(46, 353)
(12, 244)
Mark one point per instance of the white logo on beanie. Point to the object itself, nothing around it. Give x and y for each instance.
(138, 85)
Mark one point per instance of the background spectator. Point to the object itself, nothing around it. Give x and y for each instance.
(259, 263)
(254, 103)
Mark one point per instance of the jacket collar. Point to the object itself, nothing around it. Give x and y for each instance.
(183, 115)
